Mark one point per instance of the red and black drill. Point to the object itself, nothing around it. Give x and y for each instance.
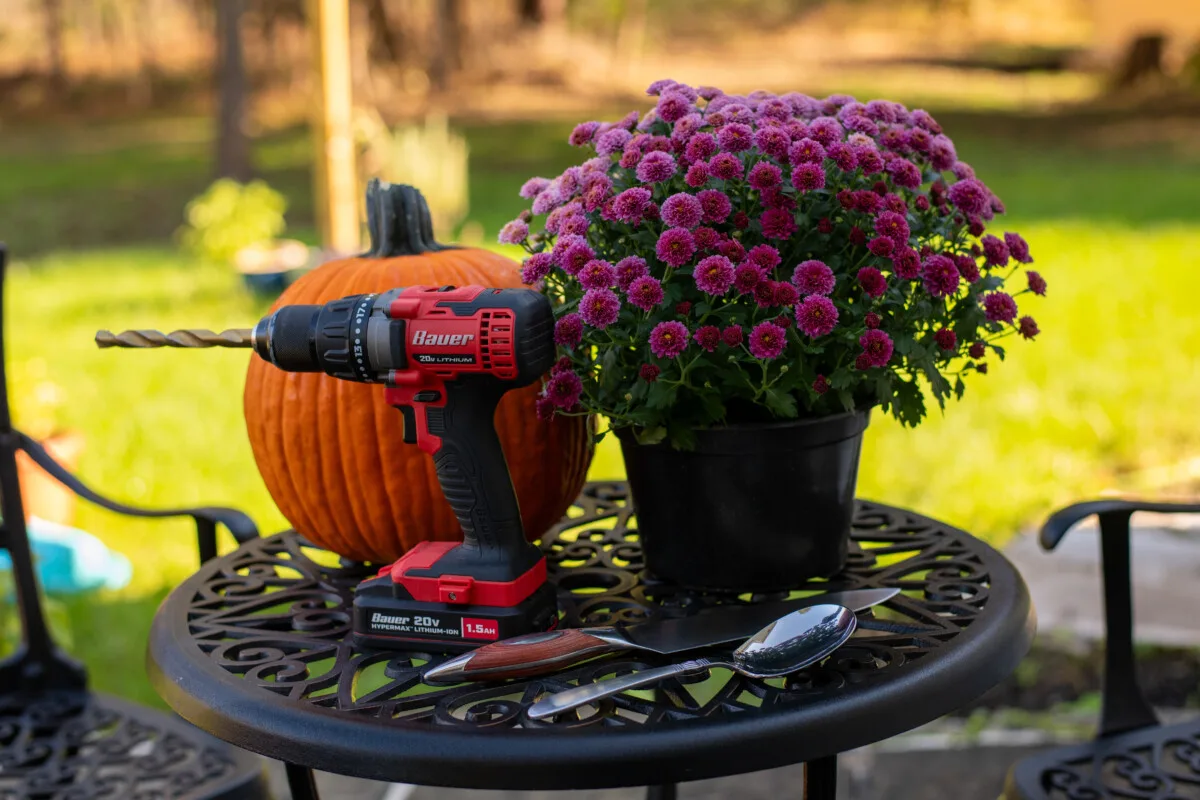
(446, 355)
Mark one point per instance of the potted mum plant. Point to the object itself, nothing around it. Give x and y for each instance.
(738, 281)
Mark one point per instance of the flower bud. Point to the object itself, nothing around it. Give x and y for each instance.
(784, 368)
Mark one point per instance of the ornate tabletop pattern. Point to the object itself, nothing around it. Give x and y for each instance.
(274, 614)
(70, 745)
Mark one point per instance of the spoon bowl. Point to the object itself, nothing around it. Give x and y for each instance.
(788, 644)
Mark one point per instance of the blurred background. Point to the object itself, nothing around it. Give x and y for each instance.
(167, 163)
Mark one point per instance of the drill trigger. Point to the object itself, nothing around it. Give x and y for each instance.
(410, 424)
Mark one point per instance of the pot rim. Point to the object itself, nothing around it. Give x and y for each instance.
(817, 431)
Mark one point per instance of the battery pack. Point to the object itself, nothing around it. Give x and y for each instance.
(409, 606)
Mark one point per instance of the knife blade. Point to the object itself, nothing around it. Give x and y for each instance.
(539, 653)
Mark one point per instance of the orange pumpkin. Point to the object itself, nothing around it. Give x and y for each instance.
(332, 452)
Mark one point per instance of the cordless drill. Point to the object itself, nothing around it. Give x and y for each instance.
(446, 355)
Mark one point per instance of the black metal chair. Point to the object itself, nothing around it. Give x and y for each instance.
(1133, 754)
(58, 741)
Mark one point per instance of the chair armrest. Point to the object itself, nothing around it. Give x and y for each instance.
(1056, 527)
(206, 518)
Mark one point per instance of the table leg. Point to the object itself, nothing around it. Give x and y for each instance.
(664, 792)
(820, 779)
(301, 782)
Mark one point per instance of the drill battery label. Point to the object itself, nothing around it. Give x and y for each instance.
(431, 624)
(445, 358)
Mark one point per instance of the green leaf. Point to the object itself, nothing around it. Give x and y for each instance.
(999, 351)
(959, 388)
(714, 408)
(781, 404)
(650, 435)
(661, 396)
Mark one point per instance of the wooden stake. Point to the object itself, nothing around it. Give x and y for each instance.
(336, 185)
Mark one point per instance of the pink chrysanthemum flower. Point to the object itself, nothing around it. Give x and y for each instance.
(630, 205)
(575, 256)
(894, 138)
(746, 278)
(583, 133)
(970, 196)
(732, 335)
(732, 249)
(967, 267)
(612, 142)
(563, 389)
(895, 203)
(649, 373)
(599, 307)
(764, 175)
(764, 256)
(881, 111)
(645, 293)
(785, 294)
(778, 224)
(714, 275)
(568, 331)
(573, 224)
(877, 347)
(597, 189)
(872, 320)
(735, 137)
(892, 225)
(675, 247)
(919, 140)
(685, 127)
(533, 187)
(825, 130)
(922, 119)
(726, 166)
(940, 276)
(660, 86)
(865, 200)
(820, 385)
(681, 211)
(1028, 327)
(514, 232)
(668, 339)
(630, 156)
(547, 200)
(999, 307)
(962, 170)
(977, 350)
(597, 274)
(1018, 248)
(861, 124)
(767, 340)
(535, 268)
(881, 246)
(708, 337)
(942, 154)
(741, 220)
(697, 175)
(1037, 284)
(543, 407)
(715, 205)
(629, 269)
(656, 167)
(869, 160)
(808, 177)
(764, 293)
(842, 155)
(705, 238)
(872, 281)
(946, 339)
(816, 315)
(772, 141)
(673, 106)
(995, 251)
(700, 147)
(814, 277)
(904, 173)
(806, 151)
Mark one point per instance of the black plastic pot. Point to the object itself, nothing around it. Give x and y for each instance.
(754, 507)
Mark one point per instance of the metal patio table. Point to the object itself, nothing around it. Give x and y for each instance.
(253, 649)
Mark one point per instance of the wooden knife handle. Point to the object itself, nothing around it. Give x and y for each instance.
(524, 656)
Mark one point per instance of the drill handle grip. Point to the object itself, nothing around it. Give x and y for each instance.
(474, 474)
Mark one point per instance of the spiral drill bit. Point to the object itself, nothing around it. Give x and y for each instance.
(195, 337)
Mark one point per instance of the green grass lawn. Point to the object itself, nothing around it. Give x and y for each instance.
(1108, 391)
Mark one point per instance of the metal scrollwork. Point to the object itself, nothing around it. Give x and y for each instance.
(68, 746)
(1147, 764)
(276, 615)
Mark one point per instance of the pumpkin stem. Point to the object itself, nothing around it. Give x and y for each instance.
(399, 221)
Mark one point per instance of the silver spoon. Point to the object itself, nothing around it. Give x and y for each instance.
(788, 644)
